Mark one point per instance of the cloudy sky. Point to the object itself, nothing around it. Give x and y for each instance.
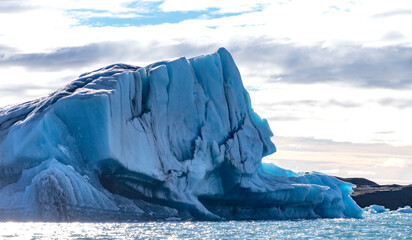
(333, 78)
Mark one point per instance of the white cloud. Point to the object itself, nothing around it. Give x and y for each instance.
(360, 173)
(310, 110)
(229, 6)
(334, 171)
(393, 162)
(49, 25)
(90, 14)
(96, 5)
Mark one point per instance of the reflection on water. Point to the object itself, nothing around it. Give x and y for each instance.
(377, 226)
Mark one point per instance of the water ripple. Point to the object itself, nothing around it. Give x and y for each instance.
(378, 226)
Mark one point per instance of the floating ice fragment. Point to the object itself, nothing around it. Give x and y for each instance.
(376, 209)
(406, 209)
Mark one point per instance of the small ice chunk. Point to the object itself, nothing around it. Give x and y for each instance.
(406, 209)
(376, 209)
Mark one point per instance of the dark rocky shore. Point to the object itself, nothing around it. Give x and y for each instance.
(368, 192)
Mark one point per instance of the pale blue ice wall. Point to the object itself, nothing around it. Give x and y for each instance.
(174, 139)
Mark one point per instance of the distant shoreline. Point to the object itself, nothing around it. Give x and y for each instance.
(391, 196)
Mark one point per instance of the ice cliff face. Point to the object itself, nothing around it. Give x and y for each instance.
(175, 139)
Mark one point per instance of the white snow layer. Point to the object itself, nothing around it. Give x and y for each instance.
(174, 139)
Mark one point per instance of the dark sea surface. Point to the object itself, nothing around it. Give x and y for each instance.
(372, 226)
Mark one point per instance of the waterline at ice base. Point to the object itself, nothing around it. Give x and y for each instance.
(177, 139)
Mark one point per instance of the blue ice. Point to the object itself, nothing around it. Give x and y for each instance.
(175, 139)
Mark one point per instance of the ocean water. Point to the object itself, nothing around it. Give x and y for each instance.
(372, 226)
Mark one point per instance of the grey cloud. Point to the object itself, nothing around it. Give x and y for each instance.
(88, 58)
(61, 58)
(396, 102)
(348, 104)
(14, 6)
(384, 67)
(315, 103)
(311, 103)
(19, 89)
(284, 118)
(98, 53)
(10, 91)
(4, 49)
(327, 145)
(394, 35)
(392, 13)
(385, 132)
(288, 111)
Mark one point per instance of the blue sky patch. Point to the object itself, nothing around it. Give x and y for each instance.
(146, 15)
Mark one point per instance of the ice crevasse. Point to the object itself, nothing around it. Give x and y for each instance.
(177, 139)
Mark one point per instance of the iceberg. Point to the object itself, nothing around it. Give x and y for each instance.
(375, 209)
(176, 139)
(406, 209)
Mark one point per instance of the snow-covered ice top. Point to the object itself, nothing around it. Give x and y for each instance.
(176, 139)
